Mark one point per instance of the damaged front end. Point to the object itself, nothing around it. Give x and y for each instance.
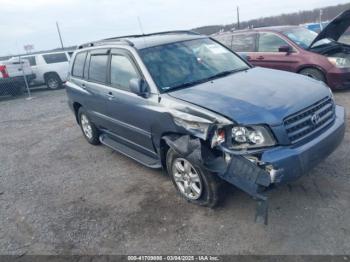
(229, 151)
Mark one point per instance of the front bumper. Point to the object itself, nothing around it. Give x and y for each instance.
(338, 78)
(290, 162)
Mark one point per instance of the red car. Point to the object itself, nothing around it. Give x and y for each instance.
(297, 49)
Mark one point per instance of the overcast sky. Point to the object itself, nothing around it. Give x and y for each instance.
(33, 21)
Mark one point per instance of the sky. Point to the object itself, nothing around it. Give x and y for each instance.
(33, 22)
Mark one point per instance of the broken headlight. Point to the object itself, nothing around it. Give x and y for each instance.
(244, 137)
(339, 62)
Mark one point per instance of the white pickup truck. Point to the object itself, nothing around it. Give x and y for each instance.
(12, 74)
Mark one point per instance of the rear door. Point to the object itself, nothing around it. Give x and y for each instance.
(95, 83)
(245, 44)
(268, 54)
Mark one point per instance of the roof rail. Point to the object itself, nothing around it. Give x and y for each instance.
(123, 40)
(157, 33)
(106, 42)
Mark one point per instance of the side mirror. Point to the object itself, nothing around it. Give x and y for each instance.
(285, 49)
(139, 87)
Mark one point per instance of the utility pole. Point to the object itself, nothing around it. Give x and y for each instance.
(238, 26)
(321, 12)
(59, 34)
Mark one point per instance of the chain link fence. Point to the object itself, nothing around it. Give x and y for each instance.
(15, 78)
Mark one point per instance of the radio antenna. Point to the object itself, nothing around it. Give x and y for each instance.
(140, 25)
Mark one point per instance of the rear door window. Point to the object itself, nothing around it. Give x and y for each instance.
(270, 42)
(78, 66)
(55, 58)
(244, 42)
(98, 68)
(122, 71)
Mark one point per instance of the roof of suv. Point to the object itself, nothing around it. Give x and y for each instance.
(147, 40)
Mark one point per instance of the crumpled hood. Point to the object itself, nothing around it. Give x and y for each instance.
(335, 29)
(256, 96)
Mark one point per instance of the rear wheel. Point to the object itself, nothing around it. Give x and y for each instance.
(18, 90)
(193, 182)
(53, 81)
(313, 73)
(90, 131)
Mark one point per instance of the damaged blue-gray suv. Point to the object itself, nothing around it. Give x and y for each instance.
(188, 104)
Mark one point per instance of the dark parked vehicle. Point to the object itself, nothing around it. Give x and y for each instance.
(184, 102)
(297, 49)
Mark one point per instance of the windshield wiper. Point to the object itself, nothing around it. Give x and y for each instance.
(226, 73)
(219, 75)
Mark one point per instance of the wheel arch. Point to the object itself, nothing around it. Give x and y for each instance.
(164, 147)
(76, 107)
(51, 73)
(312, 66)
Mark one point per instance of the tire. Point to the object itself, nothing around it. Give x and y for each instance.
(53, 81)
(18, 90)
(89, 130)
(208, 184)
(313, 73)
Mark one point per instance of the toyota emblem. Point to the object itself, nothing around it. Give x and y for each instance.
(315, 119)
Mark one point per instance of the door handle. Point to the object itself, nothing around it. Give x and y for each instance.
(248, 57)
(110, 96)
(260, 57)
(83, 86)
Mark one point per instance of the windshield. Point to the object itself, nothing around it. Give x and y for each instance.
(187, 63)
(303, 37)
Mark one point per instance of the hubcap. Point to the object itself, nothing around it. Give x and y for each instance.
(52, 83)
(187, 179)
(85, 124)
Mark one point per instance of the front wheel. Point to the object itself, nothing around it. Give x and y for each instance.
(194, 183)
(313, 73)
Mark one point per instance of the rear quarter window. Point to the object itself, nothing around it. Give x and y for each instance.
(55, 58)
(78, 66)
(244, 42)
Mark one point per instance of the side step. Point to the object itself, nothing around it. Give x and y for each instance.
(132, 153)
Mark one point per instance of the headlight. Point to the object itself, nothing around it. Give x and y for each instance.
(251, 137)
(339, 62)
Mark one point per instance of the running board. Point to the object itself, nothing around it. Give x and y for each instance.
(129, 152)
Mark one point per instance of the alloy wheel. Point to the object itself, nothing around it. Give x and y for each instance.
(187, 179)
(86, 126)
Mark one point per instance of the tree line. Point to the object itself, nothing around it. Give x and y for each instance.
(297, 18)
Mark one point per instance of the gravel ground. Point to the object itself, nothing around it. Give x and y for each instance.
(60, 195)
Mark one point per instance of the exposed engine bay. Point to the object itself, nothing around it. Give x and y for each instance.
(337, 53)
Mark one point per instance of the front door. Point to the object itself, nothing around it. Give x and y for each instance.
(130, 114)
(268, 54)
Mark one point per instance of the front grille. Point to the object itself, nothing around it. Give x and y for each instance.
(310, 120)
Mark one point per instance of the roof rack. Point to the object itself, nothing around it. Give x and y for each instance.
(188, 32)
(106, 42)
(122, 40)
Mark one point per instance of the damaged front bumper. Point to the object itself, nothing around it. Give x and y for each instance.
(284, 164)
(254, 171)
